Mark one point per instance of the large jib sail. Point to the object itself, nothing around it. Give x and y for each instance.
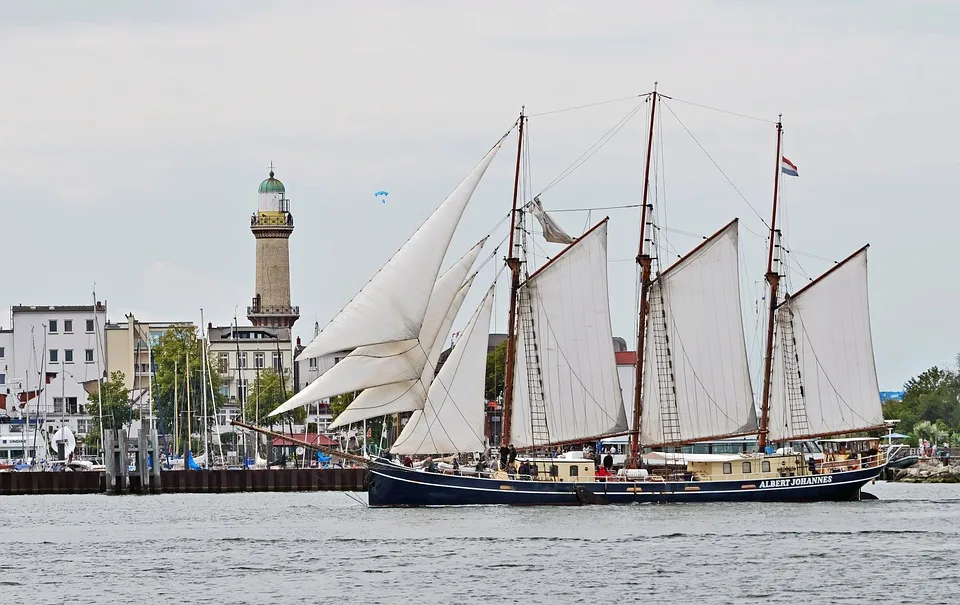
(452, 419)
(824, 377)
(392, 305)
(696, 380)
(565, 376)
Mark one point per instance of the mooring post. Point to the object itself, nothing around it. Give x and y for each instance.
(155, 467)
(122, 461)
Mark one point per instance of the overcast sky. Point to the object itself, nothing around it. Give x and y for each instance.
(135, 137)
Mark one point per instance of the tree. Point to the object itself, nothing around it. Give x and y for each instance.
(170, 358)
(496, 371)
(338, 403)
(267, 393)
(117, 410)
(930, 408)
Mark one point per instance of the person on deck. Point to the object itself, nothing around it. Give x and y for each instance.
(812, 465)
(602, 474)
(608, 460)
(513, 454)
(504, 455)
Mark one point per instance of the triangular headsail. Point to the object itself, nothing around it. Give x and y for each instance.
(696, 381)
(392, 305)
(452, 419)
(386, 363)
(824, 378)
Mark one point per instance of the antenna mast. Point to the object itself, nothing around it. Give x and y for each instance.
(773, 278)
(645, 262)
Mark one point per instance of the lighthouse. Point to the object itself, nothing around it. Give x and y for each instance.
(272, 225)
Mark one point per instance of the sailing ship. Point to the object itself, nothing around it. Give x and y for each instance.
(561, 388)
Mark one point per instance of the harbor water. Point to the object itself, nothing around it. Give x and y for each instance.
(312, 547)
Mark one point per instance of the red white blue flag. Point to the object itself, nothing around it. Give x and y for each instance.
(788, 167)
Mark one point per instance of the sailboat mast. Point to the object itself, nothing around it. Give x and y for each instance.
(773, 278)
(645, 262)
(513, 261)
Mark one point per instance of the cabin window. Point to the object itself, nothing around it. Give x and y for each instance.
(765, 466)
(554, 470)
(727, 468)
(746, 468)
(574, 470)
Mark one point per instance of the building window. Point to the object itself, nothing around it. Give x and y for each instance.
(72, 405)
(54, 357)
(3, 379)
(58, 405)
(242, 360)
(68, 326)
(746, 468)
(68, 356)
(242, 390)
(89, 326)
(313, 363)
(53, 326)
(258, 360)
(727, 468)
(88, 355)
(223, 361)
(2, 352)
(225, 390)
(83, 426)
(765, 466)
(278, 362)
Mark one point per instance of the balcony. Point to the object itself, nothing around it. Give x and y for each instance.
(262, 219)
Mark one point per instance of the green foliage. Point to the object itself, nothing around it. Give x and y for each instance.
(268, 392)
(496, 371)
(340, 403)
(930, 408)
(170, 358)
(117, 410)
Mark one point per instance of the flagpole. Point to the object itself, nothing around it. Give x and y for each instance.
(773, 278)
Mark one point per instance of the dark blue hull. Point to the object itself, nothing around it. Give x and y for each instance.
(391, 485)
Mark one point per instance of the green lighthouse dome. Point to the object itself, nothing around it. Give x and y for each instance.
(271, 185)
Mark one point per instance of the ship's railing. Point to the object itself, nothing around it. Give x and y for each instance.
(853, 464)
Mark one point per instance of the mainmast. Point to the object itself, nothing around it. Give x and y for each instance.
(645, 262)
(513, 262)
(773, 278)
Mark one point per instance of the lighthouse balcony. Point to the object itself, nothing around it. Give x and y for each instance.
(271, 219)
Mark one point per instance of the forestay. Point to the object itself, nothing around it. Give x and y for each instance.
(391, 306)
(696, 381)
(824, 345)
(570, 350)
(452, 419)
(386, 363)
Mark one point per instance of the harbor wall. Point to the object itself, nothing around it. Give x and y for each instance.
(202, 481)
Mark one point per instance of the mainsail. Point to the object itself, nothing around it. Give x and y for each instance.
(386, 363)
(392, 305)
(452, 419)
(566, 384)
(696, 381)
(406, 395)
(824, 374)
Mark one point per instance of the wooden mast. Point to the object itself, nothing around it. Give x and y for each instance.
(773, 278)
(513, 262)
(645, 262)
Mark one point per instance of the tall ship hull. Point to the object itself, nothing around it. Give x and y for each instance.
(391, 485)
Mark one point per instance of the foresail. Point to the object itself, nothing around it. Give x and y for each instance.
(452, 419)
(392, 305)
(696, 380)
(565, 381)
(386, 363)
(824, 374)
(407, 395)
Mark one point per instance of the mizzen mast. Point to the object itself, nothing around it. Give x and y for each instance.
(645, 261)
(513, 262)
(773, 278)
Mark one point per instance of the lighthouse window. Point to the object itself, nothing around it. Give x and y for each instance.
(746, 468)
(727, 468)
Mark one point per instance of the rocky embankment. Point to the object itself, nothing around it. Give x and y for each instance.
(929, 471)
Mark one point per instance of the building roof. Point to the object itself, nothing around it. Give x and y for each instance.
(314, 438)
(271, 185)
(101, 307)
(247, 334)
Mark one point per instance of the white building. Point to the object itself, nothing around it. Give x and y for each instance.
(243, 352)
(6, 361)
(55, 349)
(308, 370)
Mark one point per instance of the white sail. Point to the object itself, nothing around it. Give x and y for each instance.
(567, 352)
(392, 305)
(385, 363)
(696, 381)
(452, 419)
(406, 395)
(824, 374)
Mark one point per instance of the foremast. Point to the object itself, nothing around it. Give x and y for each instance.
(513, 263)
(645, 260)
(773, 279)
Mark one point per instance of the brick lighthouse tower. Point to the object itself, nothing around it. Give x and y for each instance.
(272, 225)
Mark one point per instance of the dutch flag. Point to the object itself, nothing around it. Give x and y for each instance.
(788, 167)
